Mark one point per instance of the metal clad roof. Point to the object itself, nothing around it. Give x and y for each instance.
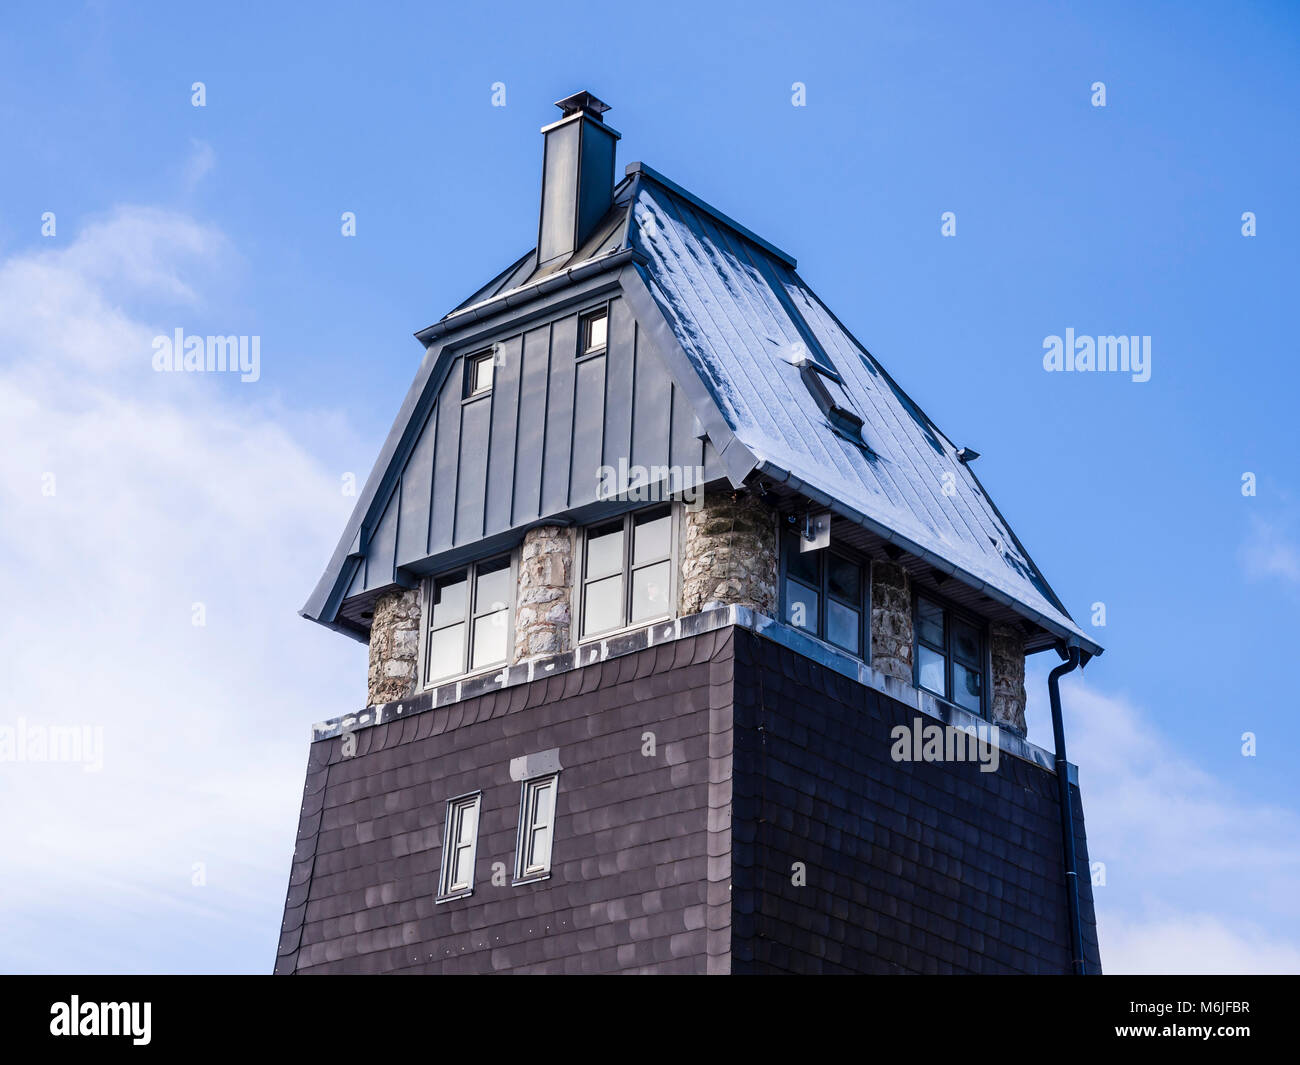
(740, 315)
(738, 310)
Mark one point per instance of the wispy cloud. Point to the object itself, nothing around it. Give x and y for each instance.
(202, 159)
(1269, 552)
(1200, 878)
(129, 497)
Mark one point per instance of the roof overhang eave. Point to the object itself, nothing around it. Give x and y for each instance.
(1069, 637)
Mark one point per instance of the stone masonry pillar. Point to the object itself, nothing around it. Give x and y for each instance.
(891, 620)
(543, 601)
(1007, 644)
(729, 554)
(394, 646)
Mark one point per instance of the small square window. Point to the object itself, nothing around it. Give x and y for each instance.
(536, 827)
(594, 332)
(478, 374)
(459, 847)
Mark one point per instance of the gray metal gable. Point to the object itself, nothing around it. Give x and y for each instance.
(459, 477)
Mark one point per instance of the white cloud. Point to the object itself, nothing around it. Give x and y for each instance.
(199, 164)
(1199, 877)
(170, 490)
(1269, 553)
(1191, 943)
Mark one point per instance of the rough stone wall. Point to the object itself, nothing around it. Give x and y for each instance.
(543, 601)
(394, 646)
(891, 620)
(729, 554)
(1007, 644)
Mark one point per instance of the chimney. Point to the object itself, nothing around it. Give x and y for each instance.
(577, 177)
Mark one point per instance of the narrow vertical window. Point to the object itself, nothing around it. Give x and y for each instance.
(446, 653)
(468, 626)
(949, 655)
(536, 827)
(460, 845)
(491, 613)
(627, 573)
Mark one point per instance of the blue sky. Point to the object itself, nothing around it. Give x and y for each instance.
(172, 490)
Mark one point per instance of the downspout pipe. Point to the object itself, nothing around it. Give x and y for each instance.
(1067, 812)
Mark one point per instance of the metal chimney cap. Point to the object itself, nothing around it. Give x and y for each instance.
(580, 102)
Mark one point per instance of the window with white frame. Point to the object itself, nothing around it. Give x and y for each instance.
(595, 332)
(536, 827)
(468, 619)
(478, 373)
(459, 847)
(627, 571)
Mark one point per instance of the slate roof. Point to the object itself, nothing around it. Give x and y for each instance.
(737, 313)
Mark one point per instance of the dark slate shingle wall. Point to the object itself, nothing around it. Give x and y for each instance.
(641, 855)
(911, 867)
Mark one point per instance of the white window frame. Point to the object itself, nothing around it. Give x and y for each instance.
(451, 847)
(473, 611)
(472, 362)
(526, 869)
(585, 320)
(629, 571)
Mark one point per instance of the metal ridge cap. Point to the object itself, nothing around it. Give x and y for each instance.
(708, 208)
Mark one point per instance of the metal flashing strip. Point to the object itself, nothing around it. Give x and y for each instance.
(742, 617)
(517, 297)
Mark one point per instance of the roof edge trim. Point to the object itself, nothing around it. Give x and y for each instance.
(1072, 637)
(708, 208)
(515, 297)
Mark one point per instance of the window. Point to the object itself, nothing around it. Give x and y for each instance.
(478, 374)
(825, 593)
(595, 327)
(469, 619)
(536, 827)
(627, 571)
(949, 655)
(459, 847)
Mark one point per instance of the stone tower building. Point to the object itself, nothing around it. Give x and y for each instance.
(695, 646)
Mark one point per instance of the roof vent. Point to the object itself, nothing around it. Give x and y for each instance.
(577, 177)
(828, 390)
